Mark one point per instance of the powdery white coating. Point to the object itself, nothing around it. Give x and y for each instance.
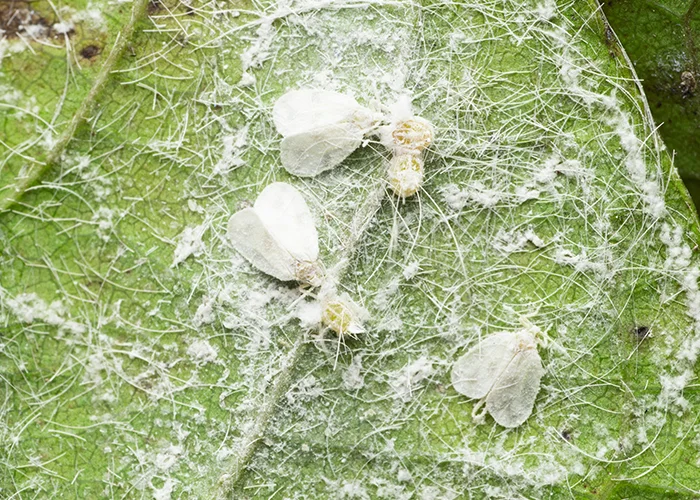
(190, 243)
(505, 370)
(63, 27)
(320, 128)
(278, 235)
(29, 308)
(201, 352)
(408, 379)
(308, 313)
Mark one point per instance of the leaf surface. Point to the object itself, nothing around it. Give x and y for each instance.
(662, 39)
(141, 357)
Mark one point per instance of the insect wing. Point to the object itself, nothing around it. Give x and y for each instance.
(286, 216)
(512, 398)
(301, 111)
(249, 236)
(310, 153)
(476, 372)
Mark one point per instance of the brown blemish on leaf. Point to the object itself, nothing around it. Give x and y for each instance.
(90, 51)
(688, 84)
(641, 332)
(610, 40)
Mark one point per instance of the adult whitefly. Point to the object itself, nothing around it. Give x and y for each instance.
(278, 235)
(304, 110)
(320, 128)
(511, 400)
(504, 371)
(310, 153)
(475, 373)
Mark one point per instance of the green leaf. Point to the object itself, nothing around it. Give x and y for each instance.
(141, 357)
(662, 39)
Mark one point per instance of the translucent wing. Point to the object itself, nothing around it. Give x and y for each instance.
(285, 214)
(250, 237)
(310, 153)
(512, 398)
(301, 111)
(476, 372)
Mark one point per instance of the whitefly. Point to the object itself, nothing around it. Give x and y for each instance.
(278, 235)
(407, 136)
(503, 371)
(320, 128)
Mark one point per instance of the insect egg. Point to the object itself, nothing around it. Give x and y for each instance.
(405, 174)
(415, 134)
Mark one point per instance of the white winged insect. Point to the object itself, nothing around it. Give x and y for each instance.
(503, 371)
(278, 235)
(320, 128)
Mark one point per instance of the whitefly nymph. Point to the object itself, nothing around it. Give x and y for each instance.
(320, 128)
(278, 235)
(407, 136)
(503, 371)
(405, 174)
(342, 315)
(412, 136)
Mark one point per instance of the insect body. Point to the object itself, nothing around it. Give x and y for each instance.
(407, 136)
(278, 235)
(412, 135)
(320, 129)
(405, 174)
(342, 316)
(503, 371)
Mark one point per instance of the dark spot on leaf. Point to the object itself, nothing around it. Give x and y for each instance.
(611, 41)
(641, 332)
(90, 52)
(566, 435)
(688, 84)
